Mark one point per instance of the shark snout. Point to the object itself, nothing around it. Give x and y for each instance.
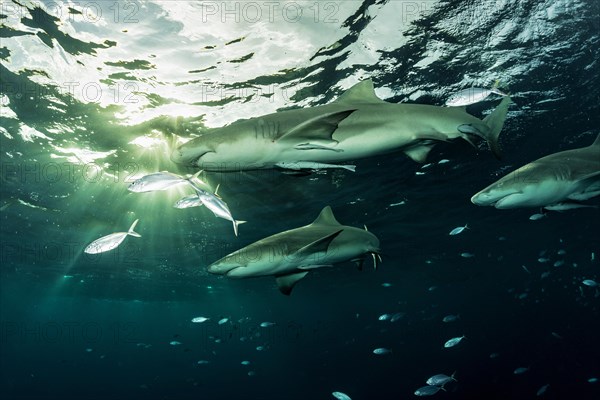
(500, 200)
(220, 268)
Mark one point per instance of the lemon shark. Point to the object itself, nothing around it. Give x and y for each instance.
(552, 182)
(356, 125)
(290, 255)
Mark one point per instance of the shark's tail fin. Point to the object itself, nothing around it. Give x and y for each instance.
(494, 123)
(131, 229)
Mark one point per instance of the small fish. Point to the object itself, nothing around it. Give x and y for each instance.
(525, 268)
(382, 351)
(188, 202)
(467, 255)
(556, 335)
(203, 362)
(112, 241)
(590, 282)
(494, 355)
(471, 96)
(214, 203)
(160, 181)
(454, 341)
(440, 379)
(266, 324)
(223, 321)
(298, 165)
(340, 396)
(542, 390)
(559, 263)
(245, 362)
(544, 275)
(443, 161)
(543, 260)
(386, 284)
(592, 380)
(384, 317)
(561, 252)
(536, 217)
(458, 230)
(428, 390)
(174, 343)
(520, 370)
(199, 320)
(451, 318)
(397, 316)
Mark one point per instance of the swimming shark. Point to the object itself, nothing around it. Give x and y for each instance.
(553, 181)
(290, 255)
(356, 125)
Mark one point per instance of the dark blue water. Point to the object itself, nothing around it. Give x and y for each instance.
(95, 94)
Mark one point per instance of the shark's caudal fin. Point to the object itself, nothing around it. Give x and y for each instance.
(494, 123)
(131, 229)
(597, 141)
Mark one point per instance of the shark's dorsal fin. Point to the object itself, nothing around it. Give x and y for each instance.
(320, 128)
(597, 141)
(362, 92)
(286, 283)
(326, 217)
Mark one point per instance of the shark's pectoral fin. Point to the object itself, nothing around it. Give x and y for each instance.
(589, 186)
(318, 146)
(419, 153)
(318, 246)
(309, 267)
(359, 263)
(319, 129)
(286, 283)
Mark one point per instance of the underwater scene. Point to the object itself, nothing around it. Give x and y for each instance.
(360, 199)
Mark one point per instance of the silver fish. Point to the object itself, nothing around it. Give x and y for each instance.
(453, 342)
(440, 379)
(160, 181)
(458, 230)
(112, 241)
(382, 351)
(428, 390)
(590, 282)
(214, 203)
(340, 396)
(188, 202)
(471, 96)
(451, 318)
